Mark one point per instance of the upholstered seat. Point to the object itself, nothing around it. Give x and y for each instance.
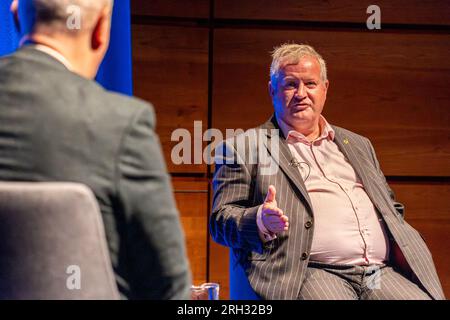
(52, 243)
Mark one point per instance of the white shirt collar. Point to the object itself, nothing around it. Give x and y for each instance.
(327, 132)
(55, 54)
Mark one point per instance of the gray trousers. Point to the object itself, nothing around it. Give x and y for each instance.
(347, 282)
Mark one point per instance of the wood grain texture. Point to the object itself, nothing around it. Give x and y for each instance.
(171, 8)
(390, 87)
(191, 196)
(427, 208)
(219, 266)
(170, 70)
(397, 11)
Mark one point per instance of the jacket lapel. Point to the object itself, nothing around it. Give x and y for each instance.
(363, 167)
(353, 154)
(284, 158)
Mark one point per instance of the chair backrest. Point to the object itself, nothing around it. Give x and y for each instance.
(52, 243)
(240, 288)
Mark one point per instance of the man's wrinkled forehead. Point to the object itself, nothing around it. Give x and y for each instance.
(298, 67)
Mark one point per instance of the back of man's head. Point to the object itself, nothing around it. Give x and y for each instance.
(59, 15)
(79, 29)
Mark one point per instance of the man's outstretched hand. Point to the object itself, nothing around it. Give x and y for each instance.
(273, 217)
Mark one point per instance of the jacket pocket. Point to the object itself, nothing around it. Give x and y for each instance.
(255, 256)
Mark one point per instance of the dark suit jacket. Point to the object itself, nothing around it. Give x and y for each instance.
(276, 269)
(57, 126)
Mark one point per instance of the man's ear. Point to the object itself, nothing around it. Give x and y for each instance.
(271, 90)
(101, 31)
(14, 7)
(15, 11)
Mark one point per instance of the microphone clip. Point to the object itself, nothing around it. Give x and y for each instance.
(295, 163)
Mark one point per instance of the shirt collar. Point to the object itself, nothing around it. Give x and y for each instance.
(53, 53)
(327, 131)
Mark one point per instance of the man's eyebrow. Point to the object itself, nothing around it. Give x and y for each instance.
(290, 78)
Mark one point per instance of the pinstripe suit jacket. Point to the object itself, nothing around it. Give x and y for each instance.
(276, 269)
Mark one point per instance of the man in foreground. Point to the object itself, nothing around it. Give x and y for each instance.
(56, 124)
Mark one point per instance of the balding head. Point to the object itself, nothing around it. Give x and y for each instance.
(70, 16)
(78, 29)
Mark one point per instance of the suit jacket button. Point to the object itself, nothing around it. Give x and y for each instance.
(308, 224)
(304, 256)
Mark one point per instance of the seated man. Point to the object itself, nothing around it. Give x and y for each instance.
(324, 223)
(56, 124)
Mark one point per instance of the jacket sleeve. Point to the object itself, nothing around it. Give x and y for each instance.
(233, 218)
(398, 206)
(158, 266)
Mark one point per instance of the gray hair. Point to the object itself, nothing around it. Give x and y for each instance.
(291, 53)
(56, 12)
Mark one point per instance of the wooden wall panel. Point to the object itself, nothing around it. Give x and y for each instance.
(219, 268)
(171, 8)
(170, 69)
(390, 87)
(427, 208)
(397, 11)
(192, 200)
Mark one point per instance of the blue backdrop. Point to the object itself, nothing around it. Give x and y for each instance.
(8, 36)
(116, 70)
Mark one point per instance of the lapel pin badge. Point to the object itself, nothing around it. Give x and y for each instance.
(346, 141)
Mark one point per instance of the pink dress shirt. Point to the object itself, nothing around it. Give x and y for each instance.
(347, 227)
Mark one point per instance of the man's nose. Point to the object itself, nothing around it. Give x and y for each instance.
(300, 93)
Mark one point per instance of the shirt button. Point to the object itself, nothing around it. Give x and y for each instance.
(308, 224)
(304, 256)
